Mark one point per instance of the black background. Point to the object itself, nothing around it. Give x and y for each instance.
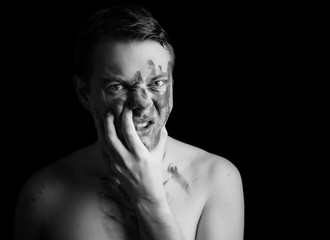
(237, 94)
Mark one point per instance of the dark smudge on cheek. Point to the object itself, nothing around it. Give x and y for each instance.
(161, 101)
(162, 98)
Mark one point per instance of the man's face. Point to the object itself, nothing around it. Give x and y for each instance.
(134, 75)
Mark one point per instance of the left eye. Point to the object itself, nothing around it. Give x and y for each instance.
(158, 83)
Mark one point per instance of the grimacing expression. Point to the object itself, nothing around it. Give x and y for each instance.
(135, 75)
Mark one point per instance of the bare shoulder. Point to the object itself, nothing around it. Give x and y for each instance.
(40, 187)
(39, 196)
(212, 165)
(219, 182)
(32, 204)
(37, 189)
(208, 172)
(54, 177)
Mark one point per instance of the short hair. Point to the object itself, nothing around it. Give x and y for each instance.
(119, 23)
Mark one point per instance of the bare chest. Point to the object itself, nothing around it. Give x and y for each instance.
(108, 215)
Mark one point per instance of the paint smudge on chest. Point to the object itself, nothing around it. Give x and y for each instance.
(117, 206)
(165, 182)
(173, 170)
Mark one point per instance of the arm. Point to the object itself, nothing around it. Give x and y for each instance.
(156, 221)
(223, 214)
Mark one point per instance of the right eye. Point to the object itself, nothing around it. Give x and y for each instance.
(114, 87)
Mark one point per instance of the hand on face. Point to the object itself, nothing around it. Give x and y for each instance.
(138, 170)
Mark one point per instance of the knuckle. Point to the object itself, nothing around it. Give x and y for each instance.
(111, 137)
(141, 157)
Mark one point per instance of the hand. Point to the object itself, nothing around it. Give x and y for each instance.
(138, 170)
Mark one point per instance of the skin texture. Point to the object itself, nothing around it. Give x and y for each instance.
(132, 184)
(125, 79)
(130, 116)
(178, 178)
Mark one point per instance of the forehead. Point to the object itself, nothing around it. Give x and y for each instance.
(126, 58)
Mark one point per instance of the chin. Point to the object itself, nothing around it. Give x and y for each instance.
(149, 138)
(148, 142)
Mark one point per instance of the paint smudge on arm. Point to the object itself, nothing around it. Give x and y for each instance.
(39, 192)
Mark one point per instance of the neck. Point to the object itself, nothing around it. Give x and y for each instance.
(102, 166)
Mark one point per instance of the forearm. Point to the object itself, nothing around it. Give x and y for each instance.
(156, 221)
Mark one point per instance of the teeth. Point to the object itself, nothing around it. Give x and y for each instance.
(141, 125)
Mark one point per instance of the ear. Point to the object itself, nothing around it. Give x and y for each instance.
(82, 91)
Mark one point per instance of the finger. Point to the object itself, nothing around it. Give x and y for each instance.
(120, 171)
(109, 155)
(113, 167)
(131, 137)
(111, 135)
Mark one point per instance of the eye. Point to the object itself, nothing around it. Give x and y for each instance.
(158, 83)
(114, 87)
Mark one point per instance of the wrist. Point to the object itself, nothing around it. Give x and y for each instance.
(152, 205)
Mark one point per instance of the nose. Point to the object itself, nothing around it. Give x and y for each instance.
(139, 101)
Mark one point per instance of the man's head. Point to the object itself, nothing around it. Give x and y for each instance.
(124, 60)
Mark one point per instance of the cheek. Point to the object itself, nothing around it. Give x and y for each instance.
(115, 106)
(111, 104)
(163, 101)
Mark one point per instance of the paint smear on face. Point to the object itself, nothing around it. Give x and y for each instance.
(149, 103)
(152, 66)
(161, 99)
(178, 178)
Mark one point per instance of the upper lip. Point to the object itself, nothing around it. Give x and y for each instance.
(142, 120)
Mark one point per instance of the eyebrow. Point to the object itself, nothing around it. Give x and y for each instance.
(161, 75)
(111, 77)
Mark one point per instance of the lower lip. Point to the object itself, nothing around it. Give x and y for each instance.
(145, 131)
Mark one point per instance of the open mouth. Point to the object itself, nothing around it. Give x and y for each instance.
(146, 125)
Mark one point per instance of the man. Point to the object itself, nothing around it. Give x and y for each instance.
(135, 182)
